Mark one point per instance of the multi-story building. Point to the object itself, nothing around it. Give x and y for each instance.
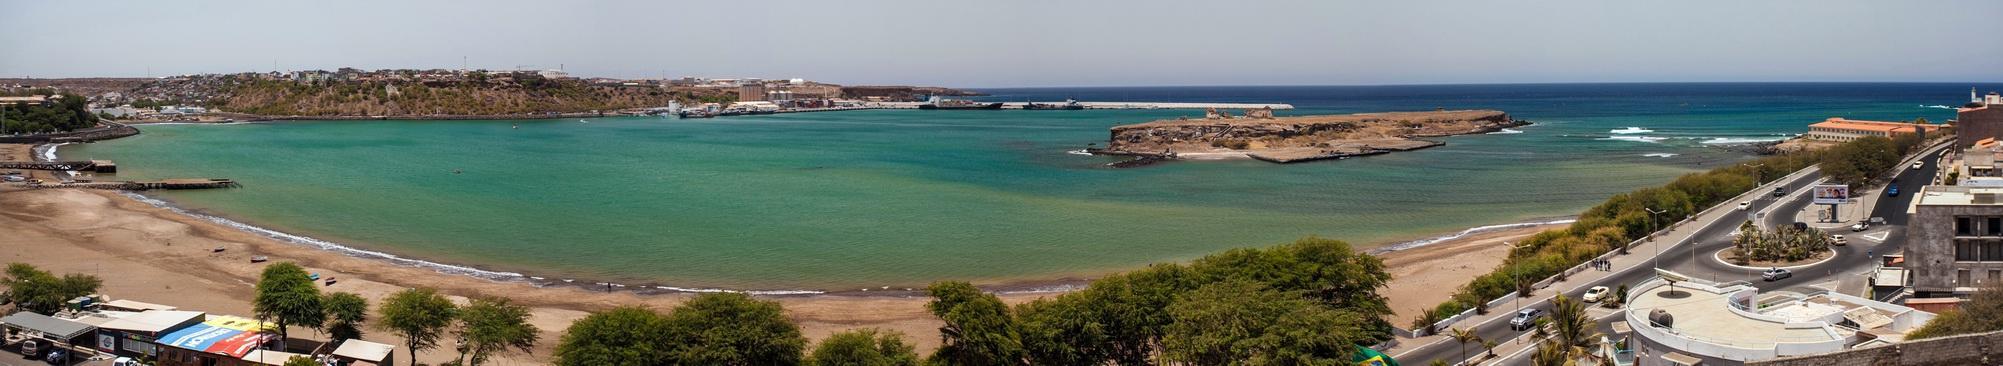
(751, 92)
(1838, 129)
(1954, 240)
(1977, 120)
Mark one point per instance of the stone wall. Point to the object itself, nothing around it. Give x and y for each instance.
(1971, 349)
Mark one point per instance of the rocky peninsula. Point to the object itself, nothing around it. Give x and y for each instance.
(1260, 135)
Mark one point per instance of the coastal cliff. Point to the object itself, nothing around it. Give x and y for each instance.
(1301, 138)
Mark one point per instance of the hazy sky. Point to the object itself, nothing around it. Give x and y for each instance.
(1030, 43)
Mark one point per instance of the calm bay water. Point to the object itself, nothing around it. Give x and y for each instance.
(842, 200)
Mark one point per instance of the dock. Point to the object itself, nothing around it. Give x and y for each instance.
(1115, 105)
(199, 183)
(100, 166)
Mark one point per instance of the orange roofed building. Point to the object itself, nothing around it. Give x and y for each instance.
(1838, 129)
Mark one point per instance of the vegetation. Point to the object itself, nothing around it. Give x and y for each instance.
(346, 313)
(1465, 336)
(488, 325)
(524, 93)
(301, 361)
(419, 315)
(39, 291)
(712, 329)
(864, 347)
(1983, 312)
(1627, 217)
(1781, 245)
(67, 112)
(978, 328)
(287, 296)
(625, 336)
(1241, 322)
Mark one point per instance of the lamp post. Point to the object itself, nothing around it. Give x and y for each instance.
(1651, 234)
(1514, 277)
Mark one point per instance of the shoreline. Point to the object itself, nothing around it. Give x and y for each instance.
(1022, 285)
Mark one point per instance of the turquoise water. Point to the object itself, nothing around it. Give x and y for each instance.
(843, 200)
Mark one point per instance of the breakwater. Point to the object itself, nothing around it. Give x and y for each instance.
(103, 131)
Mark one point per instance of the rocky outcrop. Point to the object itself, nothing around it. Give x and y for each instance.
(1302, 138)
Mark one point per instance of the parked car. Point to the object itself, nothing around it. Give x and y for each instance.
(125, 361)
(1594, 294)
(57, 356)
(1525, 319)
(31, 348)
(1745, 205)
(1780, 191)
(1838, 240)
(1776, 274)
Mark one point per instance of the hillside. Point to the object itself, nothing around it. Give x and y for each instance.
(523, 95)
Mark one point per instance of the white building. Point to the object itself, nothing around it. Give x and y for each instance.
(1733, 322)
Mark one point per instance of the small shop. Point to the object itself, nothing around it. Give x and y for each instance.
(46, 332)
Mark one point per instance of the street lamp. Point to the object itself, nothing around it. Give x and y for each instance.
(1651, 235)
(1758, 174)
(1514, 277)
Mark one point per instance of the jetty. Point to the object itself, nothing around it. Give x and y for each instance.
(100, 166)
(1116, 105)
(198, 183)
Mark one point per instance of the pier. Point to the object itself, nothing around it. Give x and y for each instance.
(1115, 105)
(100, 166)
(144, 185)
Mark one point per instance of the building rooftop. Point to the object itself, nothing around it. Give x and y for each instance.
(1705, 315)
(1862, 125)
(57, 328)
(364, 350)
(1957, 196)
(1735, 321)
(153, 321)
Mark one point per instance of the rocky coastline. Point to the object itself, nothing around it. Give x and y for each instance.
(1261, 136)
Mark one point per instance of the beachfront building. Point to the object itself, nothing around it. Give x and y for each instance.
(1697, 322)
(48, 330)
(221, 340)
(134, 335)
(1838, 129)
(1981, 118)
(1954, 242)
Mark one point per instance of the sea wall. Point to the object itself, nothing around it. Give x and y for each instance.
(103, 131)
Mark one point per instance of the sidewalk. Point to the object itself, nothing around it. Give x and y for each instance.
(1640, 257)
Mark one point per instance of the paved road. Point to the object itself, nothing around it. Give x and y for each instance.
(1714, 236)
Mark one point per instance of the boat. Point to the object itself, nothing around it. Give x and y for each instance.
(695, 113)
(938, 103)
(1069, 105)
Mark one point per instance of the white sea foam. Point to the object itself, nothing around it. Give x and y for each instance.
(1660, 155)
(398, 260)
(1631, 130)
(1506, 131)
(1462, 234)
(1936, 106)
(1739, 140)
(1648, 139)
(1078, 152)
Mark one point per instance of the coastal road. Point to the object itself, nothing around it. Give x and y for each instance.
(1692, 258)
(1850, 260)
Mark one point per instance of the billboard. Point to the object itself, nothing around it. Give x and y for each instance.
(1830, 194)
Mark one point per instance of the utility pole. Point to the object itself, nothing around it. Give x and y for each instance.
(1651, 234)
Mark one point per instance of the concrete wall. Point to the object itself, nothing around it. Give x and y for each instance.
(1930, 246)
(1972, 349)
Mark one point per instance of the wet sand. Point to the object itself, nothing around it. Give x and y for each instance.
(150, 254)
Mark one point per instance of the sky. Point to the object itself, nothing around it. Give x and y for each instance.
(1030, 42)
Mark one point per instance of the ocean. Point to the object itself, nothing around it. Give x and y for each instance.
(840, 201)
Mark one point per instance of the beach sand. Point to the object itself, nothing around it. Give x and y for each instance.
(150, 254)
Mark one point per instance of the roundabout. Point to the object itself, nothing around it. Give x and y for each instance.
(1719, 257)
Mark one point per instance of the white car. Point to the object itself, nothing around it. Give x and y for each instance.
(1745, 205)
(1594, 294)
(1838, 240)
(1919, 164)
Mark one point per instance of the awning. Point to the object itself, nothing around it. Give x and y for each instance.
(50, 326)
(364, 350)
(226, 335)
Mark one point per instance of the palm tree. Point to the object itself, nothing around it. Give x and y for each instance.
(1551, 354)
(1464, 336)
(1574, 332)
(1488, 345)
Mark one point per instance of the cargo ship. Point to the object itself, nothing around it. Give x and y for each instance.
(1069, 105)
(938, 103)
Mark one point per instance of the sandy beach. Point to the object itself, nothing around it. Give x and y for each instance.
(151, 254)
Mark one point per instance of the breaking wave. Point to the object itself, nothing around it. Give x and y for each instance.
(1936, 106)
(1630, 130)
(1660, 155)
(1462, 234)
(1648, 139)
(1739, 140)
(1506, 131)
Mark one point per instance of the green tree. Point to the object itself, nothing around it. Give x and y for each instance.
(864, 347)
(287, 296)
(1244, 323)
(625, 336)
(1464, 336)
(1983, 312)
(1328, 271)
(346, 313)
(39, 291)
(301, 361)
(733, 329)
(419, 315)
(1117, 319)
(489, 324)
(1551, 354)
(1569, 323)
(1859, 161)
(979, 330)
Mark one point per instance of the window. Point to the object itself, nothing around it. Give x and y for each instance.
(1994, 227)
(1995, 274)
(1961, 227)
(1992, 251)
(1961, 277)
(1964, 251)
